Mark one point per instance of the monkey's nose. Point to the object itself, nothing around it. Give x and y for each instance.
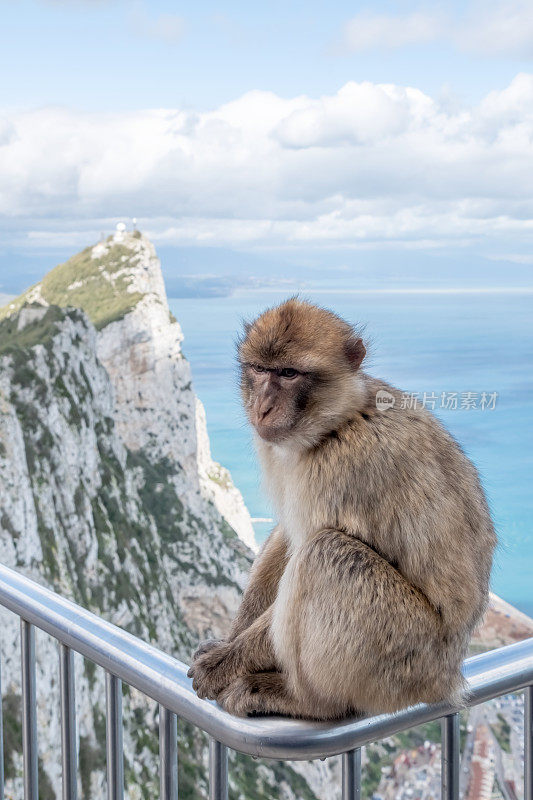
(262, 408)
(264, 411)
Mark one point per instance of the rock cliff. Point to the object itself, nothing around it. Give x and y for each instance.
(109, 495)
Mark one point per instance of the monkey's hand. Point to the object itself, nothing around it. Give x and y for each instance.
(205, 646)
(213, 670)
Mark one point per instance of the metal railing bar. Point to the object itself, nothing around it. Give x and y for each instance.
(68, 723)
(168, 754)
(164, 679)
(114, 746)
(450, 757)
(29, 711)
(218, 770)
(528, 743)
(351, 775)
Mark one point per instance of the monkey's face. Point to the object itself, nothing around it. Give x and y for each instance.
(275, 398)
(298, 372)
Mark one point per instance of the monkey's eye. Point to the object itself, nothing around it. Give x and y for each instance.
(288, 372)
(258, 368)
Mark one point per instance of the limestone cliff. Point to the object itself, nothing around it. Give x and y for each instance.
(108, 494)
(119, 284)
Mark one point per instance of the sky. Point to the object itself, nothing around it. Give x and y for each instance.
(279, 138)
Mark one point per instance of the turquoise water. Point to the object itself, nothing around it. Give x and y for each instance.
(421, 342)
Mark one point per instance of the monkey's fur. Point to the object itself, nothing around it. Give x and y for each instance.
(364, 597)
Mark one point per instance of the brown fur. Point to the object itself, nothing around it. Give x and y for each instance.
(365, 596)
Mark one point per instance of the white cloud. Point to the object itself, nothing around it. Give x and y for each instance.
(359, 113)
(75, 3)
(514, 258)
(503, 28)
(370, 165)
(168, 28)
(367, 31)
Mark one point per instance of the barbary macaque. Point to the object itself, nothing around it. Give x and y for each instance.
(365, 595)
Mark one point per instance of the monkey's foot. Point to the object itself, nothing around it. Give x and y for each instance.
(258, 693)
(213, 670)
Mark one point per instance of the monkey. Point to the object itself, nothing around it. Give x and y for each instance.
(365, 595)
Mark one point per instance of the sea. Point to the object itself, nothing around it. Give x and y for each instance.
(465, 354)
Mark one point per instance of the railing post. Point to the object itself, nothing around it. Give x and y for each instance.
(351, 774)
(450, 757)
(68, 723)
(218, 770)
(114, 750)
(29, 712)
(168, 754)
(528, 743)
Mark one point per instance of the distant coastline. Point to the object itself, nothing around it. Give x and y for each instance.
(203, 288)
(189, 287)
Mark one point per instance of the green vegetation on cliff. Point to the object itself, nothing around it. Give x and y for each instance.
(99, 285)
(36, 332)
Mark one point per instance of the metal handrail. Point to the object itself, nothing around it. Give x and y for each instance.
(164, 679)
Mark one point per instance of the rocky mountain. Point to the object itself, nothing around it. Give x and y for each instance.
(109, 495)
(503, 624)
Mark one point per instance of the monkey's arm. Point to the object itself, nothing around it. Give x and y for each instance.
(260, 592)
(262, 587)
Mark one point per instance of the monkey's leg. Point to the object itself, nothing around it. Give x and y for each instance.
(350, 632)
(251, 651)
(261, 693)
(261, 590)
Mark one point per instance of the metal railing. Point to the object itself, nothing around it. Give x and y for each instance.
(164, 679)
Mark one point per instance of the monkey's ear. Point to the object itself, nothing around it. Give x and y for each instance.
(355, 352)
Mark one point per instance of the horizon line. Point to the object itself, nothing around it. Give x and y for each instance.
(416, 290)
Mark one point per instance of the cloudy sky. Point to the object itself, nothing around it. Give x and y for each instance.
(289, 133)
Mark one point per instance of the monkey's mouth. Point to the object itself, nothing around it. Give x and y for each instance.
(271, 424)
(262, 421)
(272, 431)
